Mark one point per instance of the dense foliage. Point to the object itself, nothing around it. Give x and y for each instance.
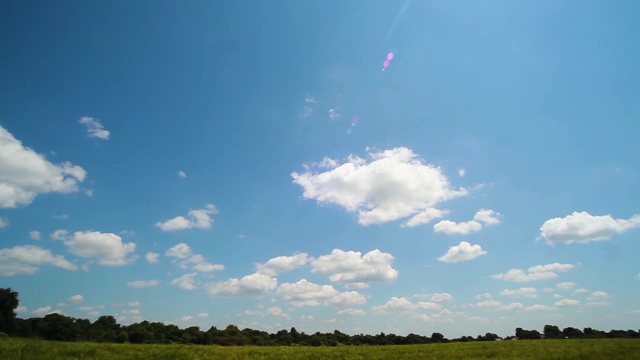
(106, 329)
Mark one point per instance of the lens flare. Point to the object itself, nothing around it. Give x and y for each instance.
(390, 56)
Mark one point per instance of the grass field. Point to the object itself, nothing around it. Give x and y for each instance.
(610, 349)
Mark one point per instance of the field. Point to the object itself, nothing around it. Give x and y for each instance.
(610, 349)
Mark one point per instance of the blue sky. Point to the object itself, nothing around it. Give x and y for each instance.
(256, 164)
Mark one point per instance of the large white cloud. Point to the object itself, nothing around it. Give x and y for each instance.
(355, 270)
(538, 272)
(484, 217)
(581, 227)
(280, 264)
(197, 219)
(251, 284)
(391, 185)
(462, 252)
(108, 248)
(25, 259)
(94, 128)
(185, 256)
(305, 293)
(26, 173)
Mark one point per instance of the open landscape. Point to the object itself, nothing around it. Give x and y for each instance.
(592, 349)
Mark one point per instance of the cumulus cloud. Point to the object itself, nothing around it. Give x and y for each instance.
(525, 292)
(108, 248)
(350, 311)
(142, 283)
(25, 173)
(25, 259)
(186, 281)
(196, 219)
(282, 264)
(512, 306)
(566, 302)
(3, 222)
(441, 297)
(76, 299)
(582, 227)
(490, 303)
(152, 257)
(484, 217)
(538, 272)
(355, 270)
(566, 285)
(185, 257)
(305, 293)
(94, 128)
(403, 304)
(598, 298)
(277, 311)
(248, 285)
(42, 311)
(462, 252)
(392, 184)
(35, 235)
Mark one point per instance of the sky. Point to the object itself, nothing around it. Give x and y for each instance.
(398, 166)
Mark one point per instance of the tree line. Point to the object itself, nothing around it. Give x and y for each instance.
(106, 329)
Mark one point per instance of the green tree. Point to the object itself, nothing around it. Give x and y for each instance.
(8, 304)
(552, 332)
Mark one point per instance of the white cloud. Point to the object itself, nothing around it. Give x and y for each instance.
(462, 252)
(582, 227)
(24, 260)
(22, 309)
(351, 311)
(61, 217)
(142, 283)
(182, 174)
(3, 222)
(35, 235)
(426, 216)
(25, 173)
(203, 315)
(355, 270)
(566, 285)
(42, 311)
(484, 217)
(597, 297)
(405, 305)
(197, 219)
(525, 292)
(580, 291)
(484, 296)
(183, 254)
(487, 304)
(305, 293)
(478, 319)
(392, 185)
(186, 281)
(108, 248)
(186, 318)
(512, 306)
(76, 299)
(566, 302)
(152, 257)
(277, 311)
(539, 307)
(539, 272)
(280, 264)
(462, 172)
(94, 128)
(440, 297)
(247, 285)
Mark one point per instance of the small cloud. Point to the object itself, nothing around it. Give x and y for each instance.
(76, 299)
(61, 217)
(186, 281)
(3, 222)
(462, 172)
(310, 99)
(539, 307)
(567, 302)
(538, 272)
(182, 174)
(462, 252)
(22, 309)
(199, 219)
(94, 128)
(582, 227)
(35, 235)
(333, 113)
(566, 285)
(203, 315)
(152, 257)
(88, 192)
(136, 284)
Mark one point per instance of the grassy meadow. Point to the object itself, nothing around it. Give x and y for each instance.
(610, 349)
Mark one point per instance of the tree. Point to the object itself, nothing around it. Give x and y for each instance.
(8, 304)
(552, 332)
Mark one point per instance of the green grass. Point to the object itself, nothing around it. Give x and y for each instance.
(609, 349)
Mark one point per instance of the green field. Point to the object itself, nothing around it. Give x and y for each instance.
(610, 349)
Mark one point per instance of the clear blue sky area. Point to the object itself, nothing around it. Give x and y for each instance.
(397, 166)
